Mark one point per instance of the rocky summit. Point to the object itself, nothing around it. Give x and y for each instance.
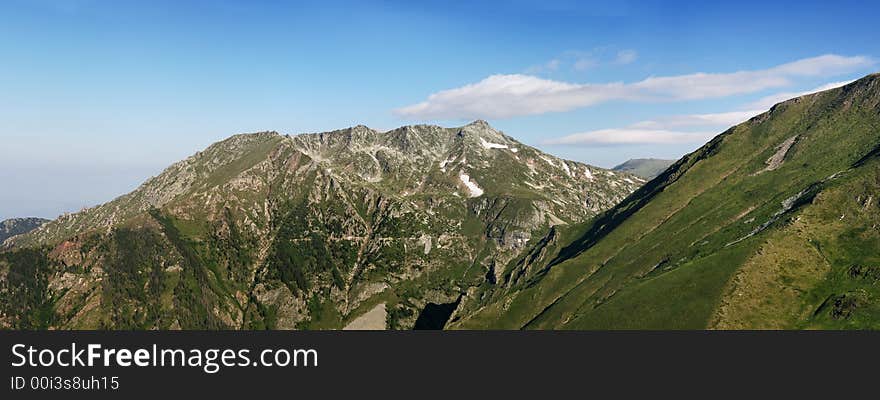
(353, 227)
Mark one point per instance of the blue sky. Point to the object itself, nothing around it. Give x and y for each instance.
(96, 96)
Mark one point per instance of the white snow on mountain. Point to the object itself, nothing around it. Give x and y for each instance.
(490, 145)
(475, 190)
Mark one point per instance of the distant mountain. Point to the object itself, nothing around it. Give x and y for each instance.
(18, 226)
(646, 168)
(774, 223)
(353, 227)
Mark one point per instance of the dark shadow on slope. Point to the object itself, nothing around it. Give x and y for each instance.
(434, 316)
(606, 222)
(875, 152)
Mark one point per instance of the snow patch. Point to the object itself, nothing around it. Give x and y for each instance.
(490, 145)
(475, 190)
(514, 149)
(588, 174)
(565, 167)
(427, 240)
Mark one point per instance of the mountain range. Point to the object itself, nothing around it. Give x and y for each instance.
(310, 231)
(772, 224)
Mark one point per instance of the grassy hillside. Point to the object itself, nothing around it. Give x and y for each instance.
(772, 224)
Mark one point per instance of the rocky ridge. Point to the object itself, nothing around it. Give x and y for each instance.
(308, 231)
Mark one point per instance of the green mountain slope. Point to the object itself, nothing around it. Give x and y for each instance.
(646, 168)
(775, 223)
(310, 231)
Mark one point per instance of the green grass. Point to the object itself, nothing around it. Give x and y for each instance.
(664, 259)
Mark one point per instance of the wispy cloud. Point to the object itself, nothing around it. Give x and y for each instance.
(549, 66)
(579, 60)
(666, 130)
(765, 103)
(626, 57)
(505, 96)
(584, 63)
(629, 135)
(691, 120)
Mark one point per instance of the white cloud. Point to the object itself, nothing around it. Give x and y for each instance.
(630, 136)
(715, 119)
(765, 103)
(505, 96)
(662, 130)
(658, 131)
(821, 65)
(580, 61)
(626, 57)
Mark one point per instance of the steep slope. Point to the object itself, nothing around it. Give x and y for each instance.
(310, 231)
(647, 168)
(18, 226)
(775, 223)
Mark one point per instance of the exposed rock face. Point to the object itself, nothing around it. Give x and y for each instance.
(271, 231)
(779, 156)
(18, 226)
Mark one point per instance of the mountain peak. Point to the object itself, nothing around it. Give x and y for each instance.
(480, 126)
(479, 123)
(362, 128)
(426, 159)
(482, 129)
(266, 222)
